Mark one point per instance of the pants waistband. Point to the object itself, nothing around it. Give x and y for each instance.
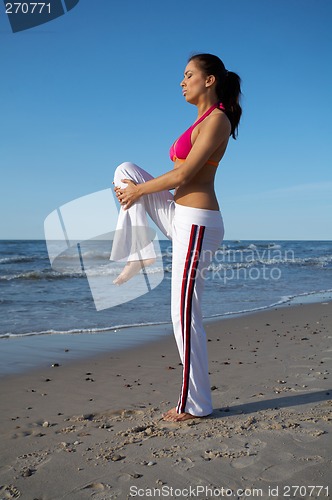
(199, 216)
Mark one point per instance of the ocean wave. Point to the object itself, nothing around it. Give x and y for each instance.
(273, 246)
(322, 261)
(78, 331)
(318, 294)
(17, 259)
(249, 248)
(40, 275)
(71, 254)
(226, 266)
(287, 299)
(225, 249)
(234, 261)
(223, 260)
(96, 271)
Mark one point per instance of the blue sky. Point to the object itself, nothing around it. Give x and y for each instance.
(100, 85)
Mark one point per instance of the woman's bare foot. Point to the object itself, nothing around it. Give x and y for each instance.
(173, 416)
(131, 269)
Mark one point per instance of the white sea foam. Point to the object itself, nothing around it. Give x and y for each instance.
(17, 259)
(77, 331)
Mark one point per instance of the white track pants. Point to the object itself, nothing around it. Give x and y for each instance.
(195, 234)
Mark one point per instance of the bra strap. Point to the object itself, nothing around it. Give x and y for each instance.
(218, 105)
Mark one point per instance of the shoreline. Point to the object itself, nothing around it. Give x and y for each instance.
(22, 354)
(92, 427)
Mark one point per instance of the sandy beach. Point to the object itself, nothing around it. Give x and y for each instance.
(92, 428)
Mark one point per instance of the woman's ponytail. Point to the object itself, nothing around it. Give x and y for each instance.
(228, 87)
(230, 97)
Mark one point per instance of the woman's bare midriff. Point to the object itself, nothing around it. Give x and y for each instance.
(199, 192)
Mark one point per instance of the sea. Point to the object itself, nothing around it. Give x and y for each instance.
(38, 300)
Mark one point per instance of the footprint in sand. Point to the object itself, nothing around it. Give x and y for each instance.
(183, 464)
(242, 462)
(8, 491)
(97, 486)
(33, 460)
(308, 437)
(20, 434)
(288, 465)
(129, 413)
(98, 490)
(122, 413)
(249, 451)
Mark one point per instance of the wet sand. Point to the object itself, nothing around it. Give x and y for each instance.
(92, 428)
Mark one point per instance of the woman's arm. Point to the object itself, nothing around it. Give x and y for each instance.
(213, 133)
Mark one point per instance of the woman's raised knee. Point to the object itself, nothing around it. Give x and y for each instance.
(125, 170)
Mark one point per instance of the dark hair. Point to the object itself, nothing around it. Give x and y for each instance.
(228, 86)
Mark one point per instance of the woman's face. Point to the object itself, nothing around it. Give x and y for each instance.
(194, 83)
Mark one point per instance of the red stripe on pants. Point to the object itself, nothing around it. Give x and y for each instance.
(192, 261)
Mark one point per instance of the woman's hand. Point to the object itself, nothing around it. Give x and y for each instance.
(129, 195)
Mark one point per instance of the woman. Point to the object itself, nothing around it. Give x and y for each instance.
(191, 218)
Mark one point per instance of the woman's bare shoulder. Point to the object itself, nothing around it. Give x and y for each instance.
(217, 121)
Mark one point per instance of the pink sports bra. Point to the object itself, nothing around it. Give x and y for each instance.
(182, 146)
